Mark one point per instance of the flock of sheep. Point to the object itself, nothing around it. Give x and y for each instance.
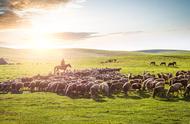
(106, 81)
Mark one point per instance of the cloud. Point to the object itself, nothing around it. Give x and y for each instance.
(74, 35)
(20, 37)
(21, 4)
(119, 33)
(126, 33)
(178, 29)
(10, 19)
(2, 42)
(16, 12)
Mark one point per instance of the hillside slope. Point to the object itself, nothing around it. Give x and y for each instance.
(163, 51)
(9, 53)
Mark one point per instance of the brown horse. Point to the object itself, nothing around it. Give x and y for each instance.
(171, 64)
(163, 63)
(59, 67)
(153, 63)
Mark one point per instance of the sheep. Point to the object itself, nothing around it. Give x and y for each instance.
(26, 84)
(92, 82)
(158, 90)
(5, 87)
(94, 90)
(174, 88)
(52, 86)
(172, 80)
(136, 81)
(183, 81)
(149, 84)
(116, 87)
(123, 80)
(126, 87)
(26, 79)
(15, 87)
(87, 87)
(80, 89)
(104, 88)
(136, 86)
(71, 89)
(159, 84)
(32, 86)
(60, 88)
(182, 72)
(43, 85)
(144, 84)
(187, 90)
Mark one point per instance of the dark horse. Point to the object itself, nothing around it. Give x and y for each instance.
(153, 63)
(171, 64)
(59, 67)
(163, 63)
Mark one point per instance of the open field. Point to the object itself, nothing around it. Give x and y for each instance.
(51, 108)
(32, 63)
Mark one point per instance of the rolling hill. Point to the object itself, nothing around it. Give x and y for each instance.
(77, 53)
(163, 51)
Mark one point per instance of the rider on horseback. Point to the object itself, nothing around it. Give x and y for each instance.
(63, 66)
(62, 62)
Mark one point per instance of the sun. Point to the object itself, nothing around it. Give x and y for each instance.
(43, 25)
(50, 22)
(40, 40)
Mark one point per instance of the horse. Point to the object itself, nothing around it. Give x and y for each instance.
(153, 63)
(59, 67)
(171, 64)
(175, 63)
(163, 63)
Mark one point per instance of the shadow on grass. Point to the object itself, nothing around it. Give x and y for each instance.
(144, 94)
(111, 97)
(136, 95)
(131, 96)
(172, 98)
(187, 98)
(99, 100)
(3, 93)
(173, 67)
(167, 99)
(78, 97)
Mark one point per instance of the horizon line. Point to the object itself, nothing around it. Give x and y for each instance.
(58, 48)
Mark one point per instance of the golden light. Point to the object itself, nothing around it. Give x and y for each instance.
(43, 25)
(60, 19)
(39, 41)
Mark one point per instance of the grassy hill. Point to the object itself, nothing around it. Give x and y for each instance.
(78, 53)
(165, 52)
(43, 61)
(50, 108)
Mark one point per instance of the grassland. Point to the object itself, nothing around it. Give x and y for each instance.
(50, 108)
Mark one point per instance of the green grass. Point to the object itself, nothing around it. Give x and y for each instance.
(136, 64)
(49, 108)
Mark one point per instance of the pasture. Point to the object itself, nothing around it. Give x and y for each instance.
(51, 108)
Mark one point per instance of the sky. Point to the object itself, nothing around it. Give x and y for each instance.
(95, 24)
